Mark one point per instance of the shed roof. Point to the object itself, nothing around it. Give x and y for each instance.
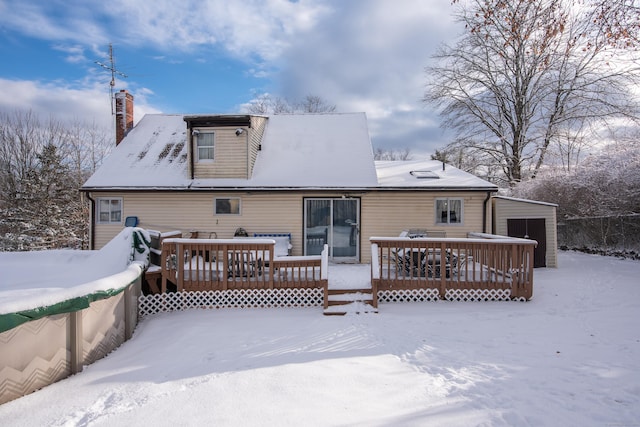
(535, 202)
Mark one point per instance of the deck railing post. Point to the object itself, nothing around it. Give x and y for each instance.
(227, 270)
(180, 266)
(271, 270)
(443, 274)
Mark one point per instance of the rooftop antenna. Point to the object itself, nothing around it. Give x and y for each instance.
(112, 68)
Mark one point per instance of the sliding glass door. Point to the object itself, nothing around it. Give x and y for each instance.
(334, 222)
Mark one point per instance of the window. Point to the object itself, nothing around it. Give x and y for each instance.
(448, 211)
(227, 206)
(110, 211)
(204, 145)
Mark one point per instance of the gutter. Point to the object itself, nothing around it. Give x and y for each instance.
(190, 187)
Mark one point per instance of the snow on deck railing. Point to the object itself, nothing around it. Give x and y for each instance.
(375, 263)
(499, 237)
(324, 266)
(474, 238)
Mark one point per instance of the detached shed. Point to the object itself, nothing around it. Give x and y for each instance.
(528, 219)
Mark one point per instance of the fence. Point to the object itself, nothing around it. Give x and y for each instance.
(612, 233)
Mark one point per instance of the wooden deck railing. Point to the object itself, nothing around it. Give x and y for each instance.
(480, 262)
(221, 264)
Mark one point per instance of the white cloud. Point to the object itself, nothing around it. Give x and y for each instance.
(56, 98)
(66, 103)
(75, 53)
(248, 29)
(44, 20)
(370, 56)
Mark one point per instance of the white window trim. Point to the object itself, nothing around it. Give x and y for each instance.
(448, 199)
(197, 148)
(98, 211)
(215, 204)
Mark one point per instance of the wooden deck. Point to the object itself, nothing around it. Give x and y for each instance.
(454, 266)
(232, 264)
(246, 273)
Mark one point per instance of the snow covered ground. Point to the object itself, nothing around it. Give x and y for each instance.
(569, 357)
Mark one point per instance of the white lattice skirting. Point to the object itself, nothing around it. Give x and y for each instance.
(232, 298)
(422, 295)
(478, 295)
(408, 295)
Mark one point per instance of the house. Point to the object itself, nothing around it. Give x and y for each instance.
(312, 176)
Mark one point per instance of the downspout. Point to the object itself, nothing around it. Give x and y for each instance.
(191, 154)
(246, 144)
(92, 217)
(484, 212)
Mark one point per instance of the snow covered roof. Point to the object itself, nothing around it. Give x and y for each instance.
(297, 151)
(535, 202)
(152, 154)
(427, 174)
(310, 150)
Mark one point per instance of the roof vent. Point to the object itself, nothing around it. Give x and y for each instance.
(424, 174)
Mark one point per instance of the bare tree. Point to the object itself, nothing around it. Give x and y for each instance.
(523, 75)
(571, 142)
(619, 20)
(84, 146)
(260, 104)
(282, 106)
(401, 154)
(468, 159)
(22, 136)
(267, 104)
(315, 104)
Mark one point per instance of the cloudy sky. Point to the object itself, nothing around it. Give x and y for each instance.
(215, 56)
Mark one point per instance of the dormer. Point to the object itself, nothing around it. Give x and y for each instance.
(223, 146)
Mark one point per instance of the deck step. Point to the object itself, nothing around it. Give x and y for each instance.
(354, 307)
(353, 301)
(350, 297)
(349, 291)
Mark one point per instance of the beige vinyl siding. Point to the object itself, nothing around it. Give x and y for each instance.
(105, 232)
(188, 212)
(230, 156)
(505, 209)
(388, 213)
(383, 213)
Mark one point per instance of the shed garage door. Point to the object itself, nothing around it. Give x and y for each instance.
(531, 228)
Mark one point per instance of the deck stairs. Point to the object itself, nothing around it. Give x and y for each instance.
(349, 301)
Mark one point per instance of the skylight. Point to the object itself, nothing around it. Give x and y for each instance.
(424, 174)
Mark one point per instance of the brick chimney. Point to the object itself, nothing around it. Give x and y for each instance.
(124, 114)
